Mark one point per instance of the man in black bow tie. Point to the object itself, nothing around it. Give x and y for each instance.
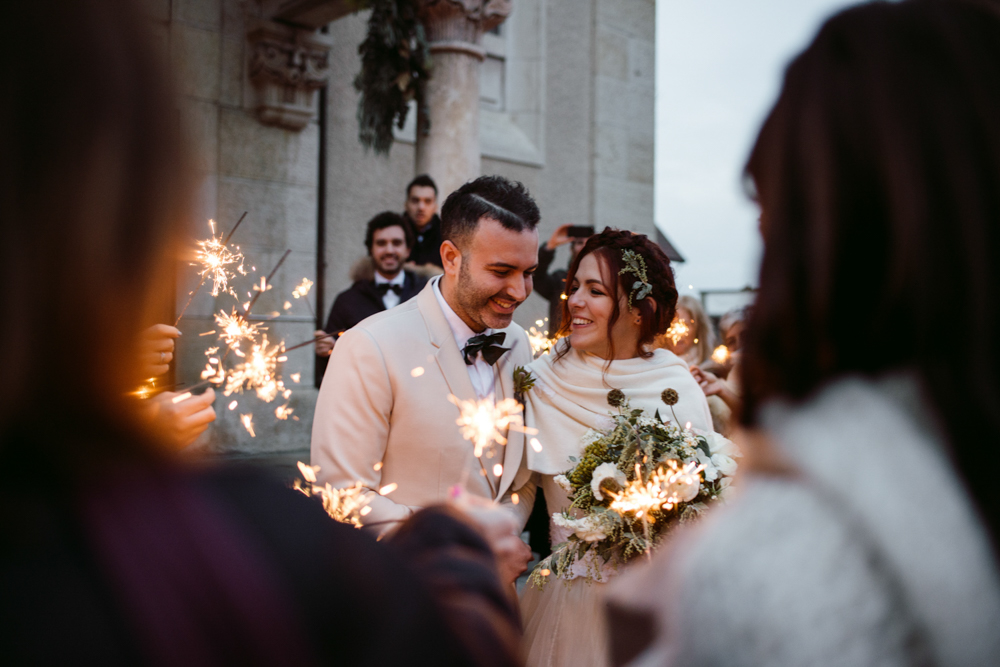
(384, 415)
(388, 239)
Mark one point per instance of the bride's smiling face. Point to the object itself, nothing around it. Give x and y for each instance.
(591, 300)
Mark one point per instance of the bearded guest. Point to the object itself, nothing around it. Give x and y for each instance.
(385, 418)
(389, 241)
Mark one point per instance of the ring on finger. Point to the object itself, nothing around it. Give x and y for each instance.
(163, 356)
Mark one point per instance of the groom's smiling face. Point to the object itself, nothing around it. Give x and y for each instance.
(491, 275)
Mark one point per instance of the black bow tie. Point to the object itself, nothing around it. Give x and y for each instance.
(382, 288)
(489, 346)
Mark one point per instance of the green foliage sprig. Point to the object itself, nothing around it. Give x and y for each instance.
(395, 66)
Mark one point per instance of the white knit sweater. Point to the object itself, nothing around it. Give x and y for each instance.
(872, 556)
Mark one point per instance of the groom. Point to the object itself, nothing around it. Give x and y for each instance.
(383, 416)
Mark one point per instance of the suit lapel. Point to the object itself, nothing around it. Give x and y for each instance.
(368, 289)
(505, 389)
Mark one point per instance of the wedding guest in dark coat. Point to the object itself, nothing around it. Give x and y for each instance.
(389, 241)
(112, 549)
(421, 214)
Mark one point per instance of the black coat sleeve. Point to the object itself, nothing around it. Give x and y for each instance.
(548, 285)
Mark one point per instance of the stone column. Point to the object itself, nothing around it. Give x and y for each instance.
(449, 150)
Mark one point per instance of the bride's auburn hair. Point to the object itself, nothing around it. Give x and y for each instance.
(657, 310)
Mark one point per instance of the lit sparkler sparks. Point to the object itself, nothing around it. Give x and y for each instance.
(485, 422)
(720, 355)
(677, 331)
(302, 289)
(235, 328)
(283, 412)
(216, 259)
(539, 338)
(258, 372)
(346, 505)
(247, 421)
(662, 490)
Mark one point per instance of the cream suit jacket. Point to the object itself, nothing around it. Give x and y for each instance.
(374, 408)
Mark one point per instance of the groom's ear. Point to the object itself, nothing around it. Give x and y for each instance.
(451, 258)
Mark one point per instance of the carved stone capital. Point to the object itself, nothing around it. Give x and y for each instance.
(286, 66)
(454, 23)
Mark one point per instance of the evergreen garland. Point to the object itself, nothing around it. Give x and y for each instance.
(395, 66)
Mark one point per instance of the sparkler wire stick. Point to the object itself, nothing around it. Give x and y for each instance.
(205, 277)
(267, 281)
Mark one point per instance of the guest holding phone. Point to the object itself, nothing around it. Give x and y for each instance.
(551, 285)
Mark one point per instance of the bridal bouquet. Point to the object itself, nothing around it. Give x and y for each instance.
(632, 483)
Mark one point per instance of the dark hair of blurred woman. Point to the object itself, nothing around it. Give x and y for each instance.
(110, 552)
(608, 246)
(878, 177)
(92, 193)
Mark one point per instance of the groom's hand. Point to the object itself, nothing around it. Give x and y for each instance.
(499, 527)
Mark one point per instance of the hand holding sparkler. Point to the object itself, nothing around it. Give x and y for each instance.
(156, 349)
(179, 418)
(500, 529)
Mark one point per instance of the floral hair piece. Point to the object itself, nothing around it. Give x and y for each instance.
(635, 264)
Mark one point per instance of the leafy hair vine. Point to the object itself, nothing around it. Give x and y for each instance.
(635, 264)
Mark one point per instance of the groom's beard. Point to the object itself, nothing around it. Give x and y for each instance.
(474, 300)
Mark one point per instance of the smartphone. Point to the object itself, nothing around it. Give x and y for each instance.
(580, 231)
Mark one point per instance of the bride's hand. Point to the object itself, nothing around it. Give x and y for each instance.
(499, 527)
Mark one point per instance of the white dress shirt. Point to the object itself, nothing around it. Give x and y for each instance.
(390, 299)
(481, 373)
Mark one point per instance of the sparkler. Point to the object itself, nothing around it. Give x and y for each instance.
(235, 328)
(265, 284)
(302, 290)
(539, 338)
(247, 421)
(485, 422)
(660, 492)
(215, 258)
(258, 372)
(677, 331)
(345, 505)
(720, 355)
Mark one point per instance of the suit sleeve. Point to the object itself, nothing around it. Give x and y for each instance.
(351, 425)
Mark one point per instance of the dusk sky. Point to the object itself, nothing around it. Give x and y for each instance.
(719, 65)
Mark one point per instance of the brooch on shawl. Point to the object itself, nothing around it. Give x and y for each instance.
(524, 381)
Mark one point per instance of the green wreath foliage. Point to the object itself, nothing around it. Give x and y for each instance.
(395, 66)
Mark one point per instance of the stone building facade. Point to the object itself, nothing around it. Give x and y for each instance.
(566, 97)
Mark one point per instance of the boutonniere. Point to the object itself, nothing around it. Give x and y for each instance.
(524, 381)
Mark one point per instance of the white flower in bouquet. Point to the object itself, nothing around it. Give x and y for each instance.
(563, 483)
(603, 472)
(684, 488)
(649, 422)
(724, 464)
(719, 444)
(588, 529)
(710, 472)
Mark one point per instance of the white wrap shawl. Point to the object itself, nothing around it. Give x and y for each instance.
(570, 397)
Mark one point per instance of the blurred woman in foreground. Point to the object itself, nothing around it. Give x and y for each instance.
(110, 552)
(867, 526)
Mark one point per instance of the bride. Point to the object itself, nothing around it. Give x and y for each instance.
(613, 311)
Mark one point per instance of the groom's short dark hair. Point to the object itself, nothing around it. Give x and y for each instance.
(494, 197)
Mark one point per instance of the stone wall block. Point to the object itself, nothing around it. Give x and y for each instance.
(252, 150)
(642, 62)
(200, 120)
(640, 157)
(640, 103)
(611, 147)
(632, 17)
(233, 18)
(195, 56)
(524, 95)
(233, 73)
(623, 204)
(205, 14)
(611, 102)
(612, 54)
